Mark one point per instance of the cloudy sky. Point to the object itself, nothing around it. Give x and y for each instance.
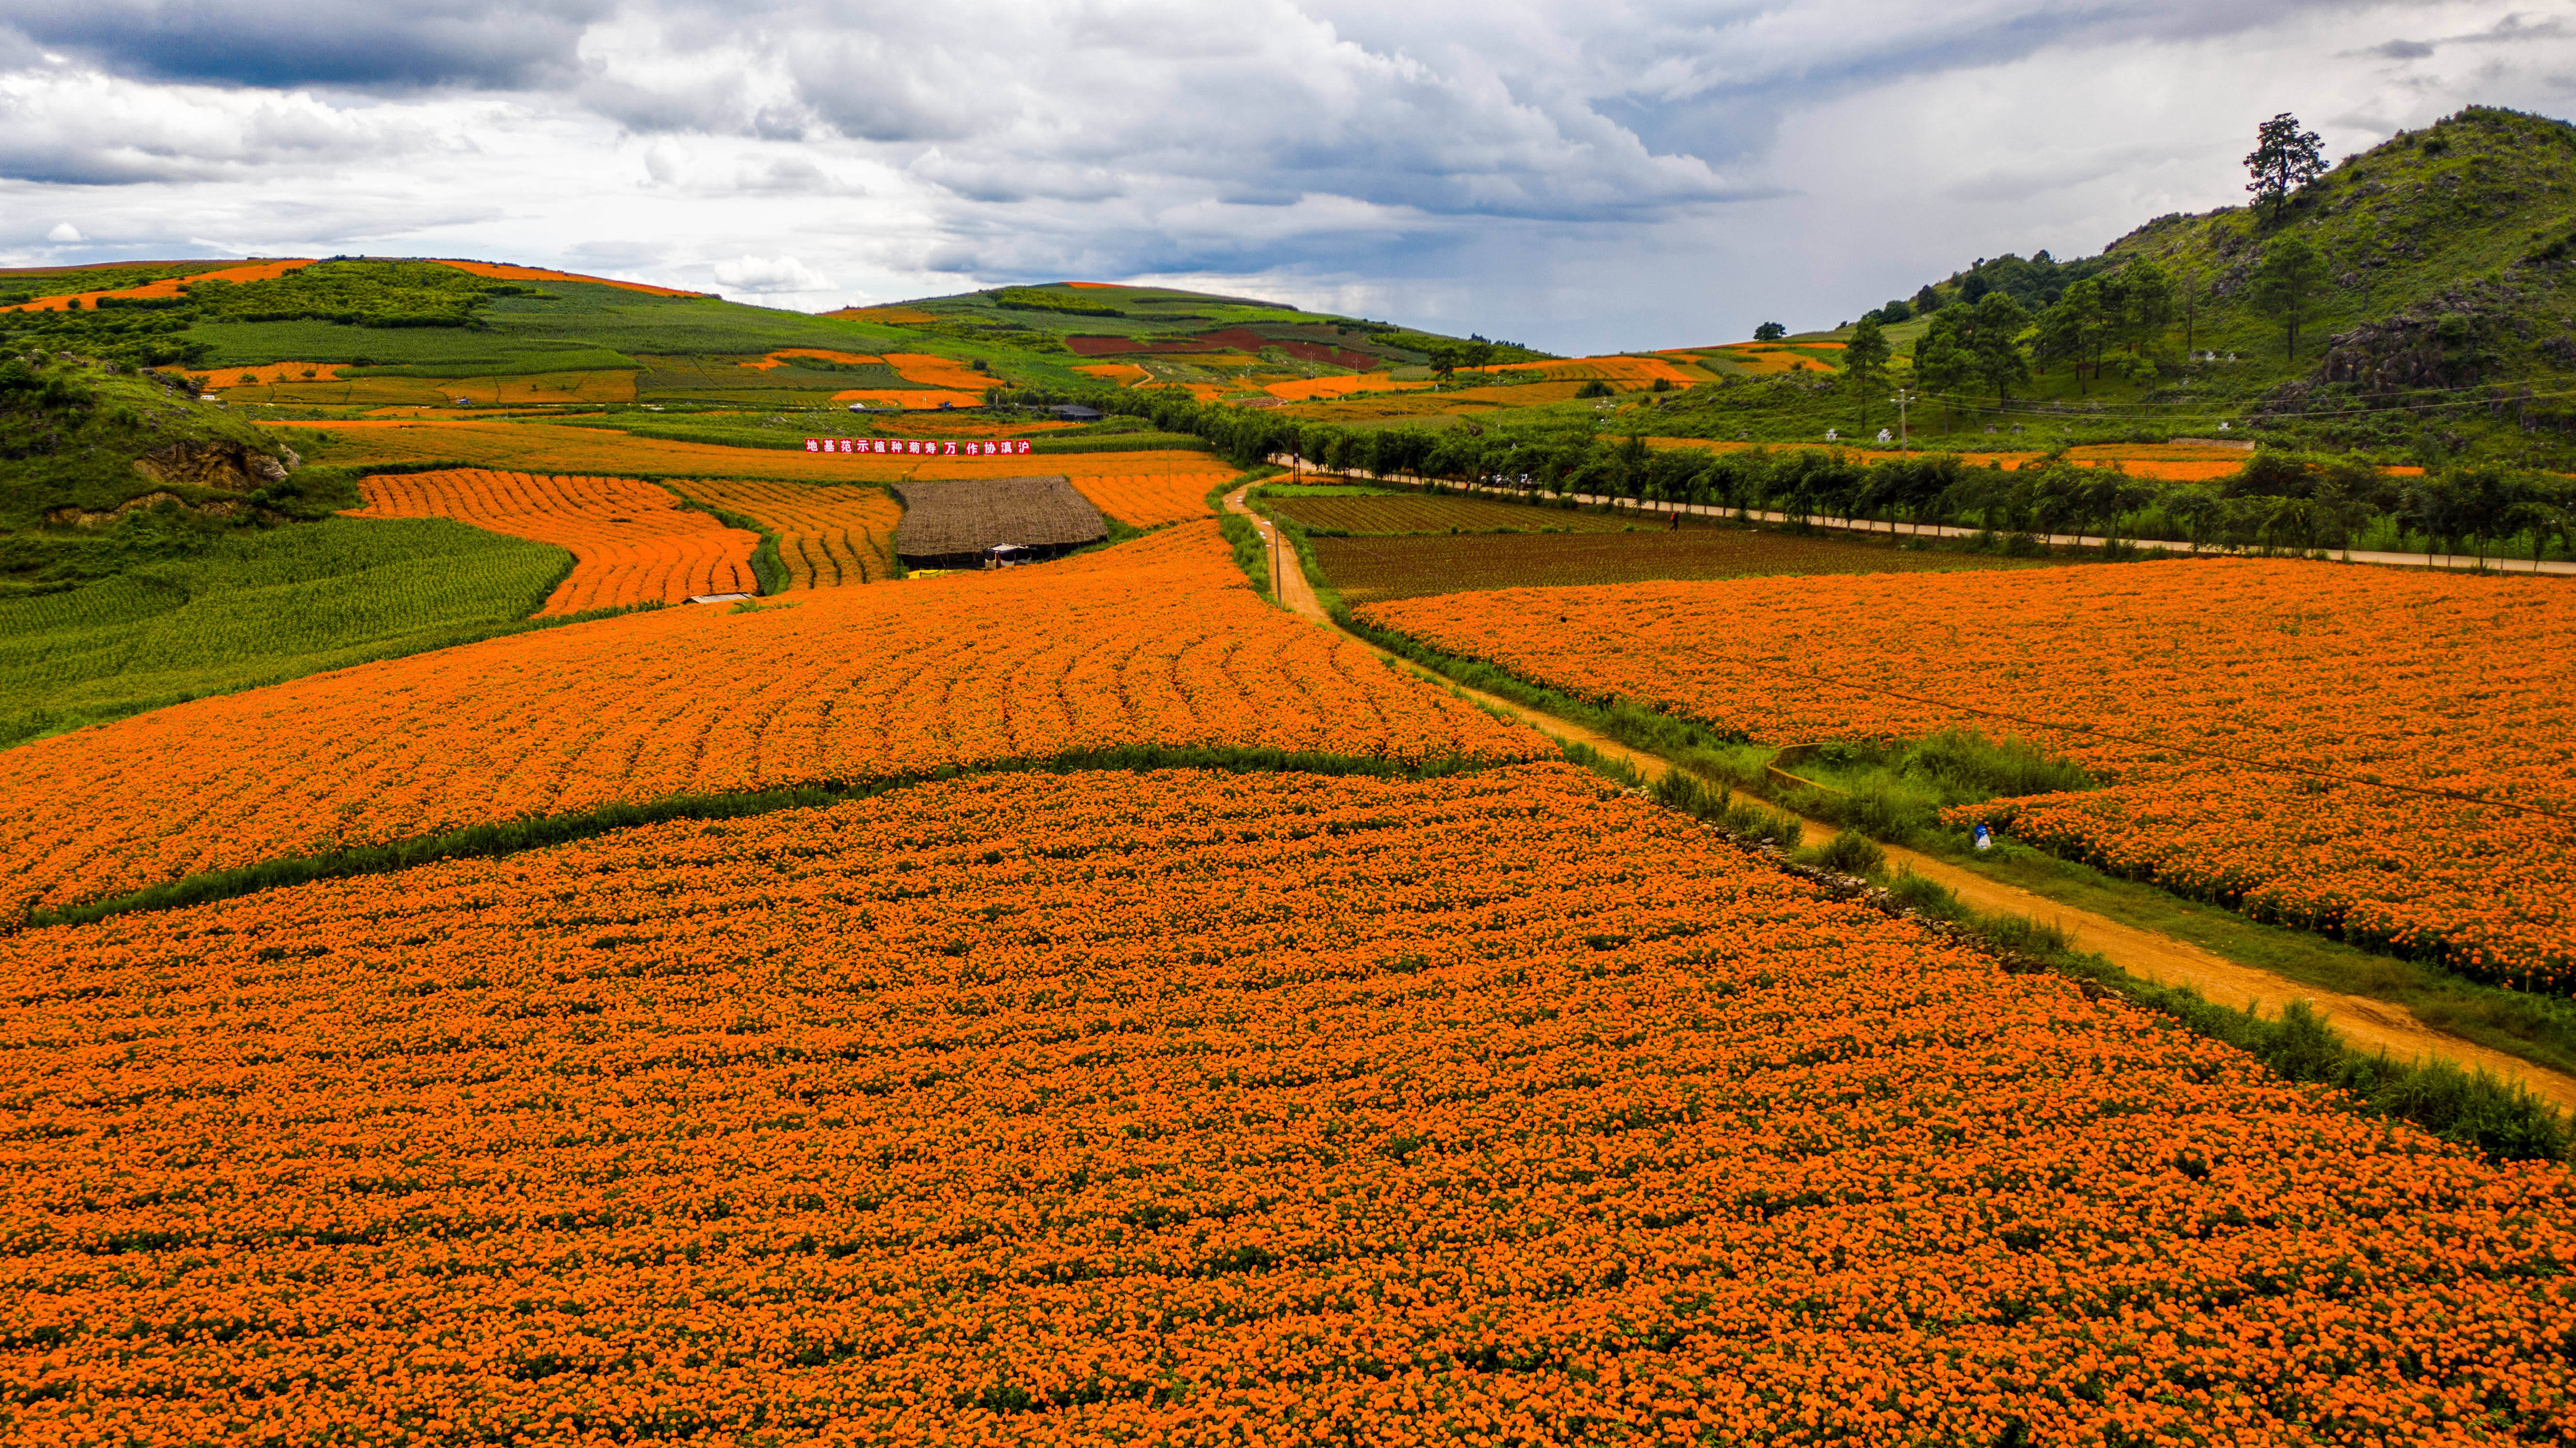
(1579, 176)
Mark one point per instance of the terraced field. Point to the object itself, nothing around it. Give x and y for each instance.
(631, 541)
(828, 534)
(1158, 643)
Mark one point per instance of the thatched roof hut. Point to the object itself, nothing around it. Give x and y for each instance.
(949, 524)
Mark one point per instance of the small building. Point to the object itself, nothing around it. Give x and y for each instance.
(1075, 412)
(981, 523)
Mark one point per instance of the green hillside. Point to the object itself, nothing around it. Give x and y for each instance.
(2436, 325)
(364, 331)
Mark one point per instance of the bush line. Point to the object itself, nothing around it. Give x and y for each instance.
(2475, 1109)
(509, 837)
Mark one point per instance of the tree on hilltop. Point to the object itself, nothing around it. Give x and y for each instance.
(2284, 159)
(2286, 287)
(1769, 332)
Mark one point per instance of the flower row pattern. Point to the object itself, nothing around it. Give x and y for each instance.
(2266, 713)
(1194, 1108)
(631, 542)
(1157, 642)
(829, 534)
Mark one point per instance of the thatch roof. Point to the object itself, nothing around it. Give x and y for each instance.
(965, 516)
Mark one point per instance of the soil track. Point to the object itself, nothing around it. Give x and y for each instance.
(2370, 1024)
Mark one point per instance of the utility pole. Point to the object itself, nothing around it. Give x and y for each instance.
(1903, 396)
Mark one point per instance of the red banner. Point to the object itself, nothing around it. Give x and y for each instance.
(923, 447)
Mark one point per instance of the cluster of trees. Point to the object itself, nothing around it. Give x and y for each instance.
(2079, 311)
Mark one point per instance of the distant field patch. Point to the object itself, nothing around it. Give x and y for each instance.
(1623, 372)
(1146, 490)
(846, 359)
(1412, 513)
(890, 316)
(908, 398)
(500, 271)
(528, 389)
(1122, 374)
(257, 271)
(631, 541)
(1764, 359)
(924, 370)
(1157, 642)
(829, 534)
(1309, 389)
(1368, 570)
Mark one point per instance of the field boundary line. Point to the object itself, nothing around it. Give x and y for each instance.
(517, 836)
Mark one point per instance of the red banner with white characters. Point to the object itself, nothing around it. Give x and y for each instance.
(921, 447)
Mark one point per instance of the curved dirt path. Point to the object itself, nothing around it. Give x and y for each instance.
(2370, 1024)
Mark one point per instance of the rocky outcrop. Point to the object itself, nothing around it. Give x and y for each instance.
(71, 515)
(224, 467)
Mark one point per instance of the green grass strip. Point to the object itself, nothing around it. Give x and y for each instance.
(768, 570)
(509, 837)
(1241, 533)
(2474, 1109)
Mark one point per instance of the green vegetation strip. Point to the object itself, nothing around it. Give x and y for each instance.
(511, 837)
(768, 570)
(1250, 554)
(2539, 1029)
(2476, 1109)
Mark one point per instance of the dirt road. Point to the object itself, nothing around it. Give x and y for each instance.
(2369, 1024)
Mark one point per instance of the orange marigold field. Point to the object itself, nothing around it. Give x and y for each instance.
(931, 371)
(631, 542)
(502, 271)
(828, 535)
(1123, 374)
(1631, 371)
(2243, 712)
(1156, 643)
(910, 398)
(255, 271)
(1146, 490)
(1199, 1109)
(1307, 389)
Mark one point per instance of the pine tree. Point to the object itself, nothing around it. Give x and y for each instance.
(2284, 159)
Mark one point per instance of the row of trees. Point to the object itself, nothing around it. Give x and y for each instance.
(2281, 501)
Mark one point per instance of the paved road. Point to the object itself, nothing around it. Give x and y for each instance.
(2373, 1025)
(1658, 512)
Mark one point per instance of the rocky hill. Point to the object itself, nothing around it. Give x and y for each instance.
(83, 441)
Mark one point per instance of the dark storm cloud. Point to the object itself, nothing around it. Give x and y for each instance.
(288, 43)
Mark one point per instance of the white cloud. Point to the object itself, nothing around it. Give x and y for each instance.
(84, 128)
(1576, 175)
(65, 231)
(765, 275)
